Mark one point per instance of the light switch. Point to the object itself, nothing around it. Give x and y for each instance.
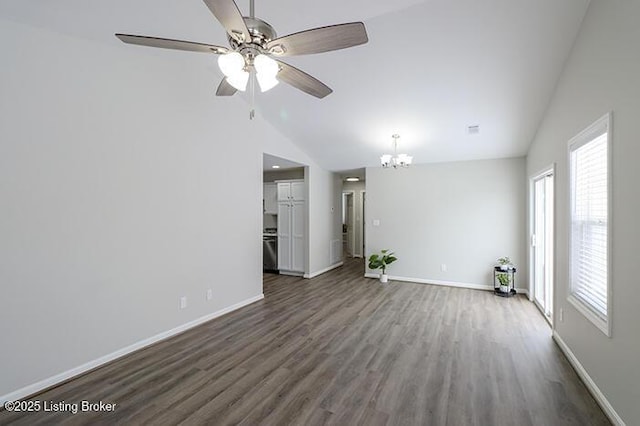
(376, 222)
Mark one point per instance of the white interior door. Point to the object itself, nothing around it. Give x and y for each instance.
(349, 217)
(542, 243)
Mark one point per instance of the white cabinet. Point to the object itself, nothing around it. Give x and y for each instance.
(284, 191)
(270, 198)
(297, 191)
(288, 191)
(291, 226)
(284, 236)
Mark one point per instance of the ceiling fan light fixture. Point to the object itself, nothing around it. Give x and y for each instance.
(251, 38)
(266, 82)
(239, 80)
(231, 64)
(266, 65)
(266, 71)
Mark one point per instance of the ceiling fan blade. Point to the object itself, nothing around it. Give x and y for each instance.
(225, 89)
(302, 81)
(167, 43)
(227, 12)
(317, 40)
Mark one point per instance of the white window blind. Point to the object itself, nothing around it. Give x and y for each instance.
(589, 255)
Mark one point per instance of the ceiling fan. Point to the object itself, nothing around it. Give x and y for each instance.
(254, 45)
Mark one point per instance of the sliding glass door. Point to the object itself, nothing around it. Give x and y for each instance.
(542, 243)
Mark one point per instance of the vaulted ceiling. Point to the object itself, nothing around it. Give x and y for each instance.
(431, 68)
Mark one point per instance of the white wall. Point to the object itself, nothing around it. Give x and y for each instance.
(356, 188)
(114, 201)
(601, 75)
(463, 214)
(323, 204)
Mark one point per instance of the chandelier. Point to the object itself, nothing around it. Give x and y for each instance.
(396, 160)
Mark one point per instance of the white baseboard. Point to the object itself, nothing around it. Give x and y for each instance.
(322, 271)
(588, 381)
(442, 283)
(69, 374)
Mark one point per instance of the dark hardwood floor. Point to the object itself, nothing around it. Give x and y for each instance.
(345, 350)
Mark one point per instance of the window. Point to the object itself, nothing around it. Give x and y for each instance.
(589, 189)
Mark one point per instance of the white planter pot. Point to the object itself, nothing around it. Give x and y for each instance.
(504, 288)
(384, 278)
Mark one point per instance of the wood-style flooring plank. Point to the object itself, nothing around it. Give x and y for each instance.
(341, 349)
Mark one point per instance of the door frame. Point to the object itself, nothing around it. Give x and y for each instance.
(362, 222)
(353, 219)
(550, 169)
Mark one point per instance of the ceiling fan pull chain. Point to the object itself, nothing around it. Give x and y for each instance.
(252, 87)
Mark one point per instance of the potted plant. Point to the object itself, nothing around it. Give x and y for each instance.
(505, 281)
(505, 263)
(381, 261)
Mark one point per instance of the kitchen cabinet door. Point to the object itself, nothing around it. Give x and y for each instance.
(297, 191)
(284, 191)
(270, 194)
(284, 236)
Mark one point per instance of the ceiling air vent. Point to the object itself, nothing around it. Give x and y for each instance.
(473, 130)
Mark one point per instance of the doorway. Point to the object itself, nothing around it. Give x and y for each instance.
(542, 237)
(363, 223)
(348, 220)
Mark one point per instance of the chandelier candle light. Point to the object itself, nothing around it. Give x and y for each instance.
(396, 160)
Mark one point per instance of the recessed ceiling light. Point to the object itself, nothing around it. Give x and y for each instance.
(275, 167)
(352, 179)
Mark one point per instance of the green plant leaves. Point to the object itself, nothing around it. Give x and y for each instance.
(504, 261)
(376, 261)
(503, 278)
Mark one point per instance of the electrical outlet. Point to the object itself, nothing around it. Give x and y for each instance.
(561, 315)
(183, 302)
(209, 294)
(443, 267)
